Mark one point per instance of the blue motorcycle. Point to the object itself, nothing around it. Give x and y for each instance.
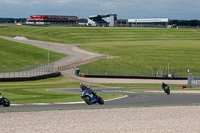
(90, 97)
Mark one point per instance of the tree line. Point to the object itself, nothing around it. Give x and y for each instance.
(194, 23)
(12, 20)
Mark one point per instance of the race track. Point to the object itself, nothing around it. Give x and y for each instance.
(78, 56)
(131, 100)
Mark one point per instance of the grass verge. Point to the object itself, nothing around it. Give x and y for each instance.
(139, 49)
(141, 85)
(82, 35)
(142, 90)
(145, 58)
(15, 55)
(145, 87)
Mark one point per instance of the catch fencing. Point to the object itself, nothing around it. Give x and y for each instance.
(146, 72)
(28, 71)
(39, 70)
(33, 71)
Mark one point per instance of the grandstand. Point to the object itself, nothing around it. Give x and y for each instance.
(108, 20)
(52, 20)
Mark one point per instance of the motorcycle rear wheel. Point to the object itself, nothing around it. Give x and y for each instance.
(168, 92)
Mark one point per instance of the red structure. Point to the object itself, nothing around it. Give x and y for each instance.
(52, 20)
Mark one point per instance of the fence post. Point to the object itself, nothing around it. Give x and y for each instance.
(26, 71)
(4, 71)
(190, 77)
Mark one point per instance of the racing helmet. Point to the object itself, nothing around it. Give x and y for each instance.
(82, 85)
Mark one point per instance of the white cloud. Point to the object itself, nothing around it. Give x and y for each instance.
(109, 5)
(11, 1)
(63, 1)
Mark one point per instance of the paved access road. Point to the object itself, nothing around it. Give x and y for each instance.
(132, 100)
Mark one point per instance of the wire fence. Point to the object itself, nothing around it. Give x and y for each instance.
(32, 71)
(147, 72)
(28, 71)
(38, 70)
(193, 81)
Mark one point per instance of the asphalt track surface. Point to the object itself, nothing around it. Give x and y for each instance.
(132, 100)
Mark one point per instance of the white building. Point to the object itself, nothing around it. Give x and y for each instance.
(149, 22)
(108, 20)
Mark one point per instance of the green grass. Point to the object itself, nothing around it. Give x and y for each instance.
(135, 48)
(16, 55)
(140, 51)
(141, 85)
(36, 91)
(82, 35)
(145, 58)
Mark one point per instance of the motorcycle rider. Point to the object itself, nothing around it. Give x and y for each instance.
(82, 86)
(163, 85)
(87, 88)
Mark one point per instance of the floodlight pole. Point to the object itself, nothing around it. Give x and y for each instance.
(168, 67)
(48, 55)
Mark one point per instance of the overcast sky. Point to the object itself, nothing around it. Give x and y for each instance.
(173, 9)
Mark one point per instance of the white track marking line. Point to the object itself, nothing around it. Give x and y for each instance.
(68, 103)
(120, 91)
(117, 98)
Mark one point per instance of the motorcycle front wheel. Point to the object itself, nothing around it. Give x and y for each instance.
(5, 102)
(88, 100)
(100, 100)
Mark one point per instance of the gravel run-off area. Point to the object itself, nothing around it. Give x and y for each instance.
(122, 120)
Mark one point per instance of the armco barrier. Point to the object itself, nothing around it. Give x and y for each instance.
(51, 75)
(134, 77)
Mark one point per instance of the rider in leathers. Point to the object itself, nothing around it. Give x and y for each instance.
(87, 89)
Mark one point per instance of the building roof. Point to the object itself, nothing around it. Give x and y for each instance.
(102, 16)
